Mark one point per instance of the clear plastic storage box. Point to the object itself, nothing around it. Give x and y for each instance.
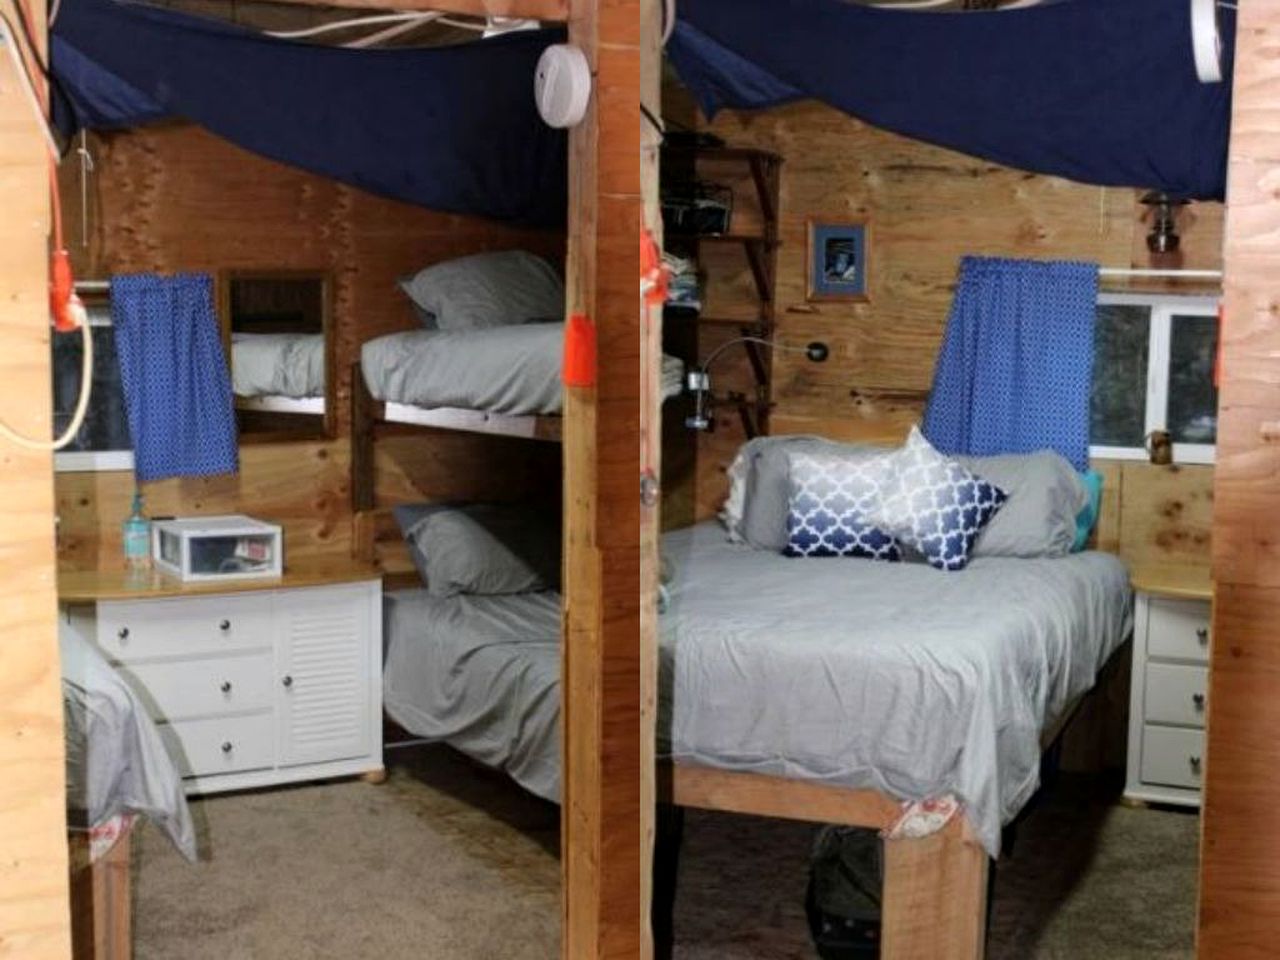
(217, 548)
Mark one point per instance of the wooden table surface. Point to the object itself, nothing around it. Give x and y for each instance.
(1180, 582)
(90, 586)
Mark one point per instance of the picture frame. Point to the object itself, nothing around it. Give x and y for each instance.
(838, 261)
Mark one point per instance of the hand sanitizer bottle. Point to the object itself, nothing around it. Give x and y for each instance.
(137, 538)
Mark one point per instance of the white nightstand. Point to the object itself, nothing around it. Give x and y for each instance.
(1169, 688)
(251, 683)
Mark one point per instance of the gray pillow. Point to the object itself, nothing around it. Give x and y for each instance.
(767, 489)
(1045, 494)
(486, 290)
(482, 548)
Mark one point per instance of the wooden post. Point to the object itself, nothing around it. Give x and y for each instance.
(935, 896)
(34, 910)
(602, 814)
(1239, 915)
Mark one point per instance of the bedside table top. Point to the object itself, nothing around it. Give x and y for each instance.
(1180, 582)
(90, 586)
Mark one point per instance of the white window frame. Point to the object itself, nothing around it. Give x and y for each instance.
(1159, 346)
(93, 461)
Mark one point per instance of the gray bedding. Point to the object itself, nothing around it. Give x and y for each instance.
(896, 677)
(116, 762)
(481, 674)
(277, 365)
(513, 370)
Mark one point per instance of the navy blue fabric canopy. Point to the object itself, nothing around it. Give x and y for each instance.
(449, 128)
(1098, 91)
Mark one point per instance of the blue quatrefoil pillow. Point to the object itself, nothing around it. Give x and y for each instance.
(933, 504)
(829, 499)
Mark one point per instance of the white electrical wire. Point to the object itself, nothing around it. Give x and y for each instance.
(86, 367)
(82, 405)
(668, 20)
(390, 33)
(352, 22)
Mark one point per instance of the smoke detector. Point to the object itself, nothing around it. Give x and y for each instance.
(562, 85)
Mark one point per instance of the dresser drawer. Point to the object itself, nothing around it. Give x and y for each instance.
(1176, 693)
(221, 745)
(1172, 756)
(173, 690)
(1178, 628)
(191, 626)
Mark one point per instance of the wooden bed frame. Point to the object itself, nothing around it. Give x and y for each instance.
(101, 901)
(935, 888)
(369, 416)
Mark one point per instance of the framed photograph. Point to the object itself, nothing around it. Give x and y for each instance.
(838, 261)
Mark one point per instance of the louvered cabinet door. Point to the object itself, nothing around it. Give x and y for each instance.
(326, 670)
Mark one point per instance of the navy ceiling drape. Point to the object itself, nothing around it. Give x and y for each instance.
(449, 128)
(1098, 91)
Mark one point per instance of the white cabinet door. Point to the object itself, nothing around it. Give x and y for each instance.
(323, 663)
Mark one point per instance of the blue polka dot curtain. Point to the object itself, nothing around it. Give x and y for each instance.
(176, 384)
(1016, 364)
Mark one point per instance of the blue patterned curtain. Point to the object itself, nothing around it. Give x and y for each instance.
(176, 384)
(1016, 363)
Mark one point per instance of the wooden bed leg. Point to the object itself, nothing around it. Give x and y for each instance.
(362, 417)
(375, 776)
(669, 835)
(935, 897)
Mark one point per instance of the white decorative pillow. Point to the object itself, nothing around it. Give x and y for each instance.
(933, 504)
(831, 496)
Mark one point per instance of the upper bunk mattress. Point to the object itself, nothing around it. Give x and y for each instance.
(277, 365)
(890, 676)
(513, 370)
(481, 673)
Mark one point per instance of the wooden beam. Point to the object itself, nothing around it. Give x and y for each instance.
(603, 819)
(34, 908)
(935, 896)
(1239, 865)
(549, 10)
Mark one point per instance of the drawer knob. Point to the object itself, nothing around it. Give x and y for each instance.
(226, 686)
(226, 746)
(1197, 699)
(1195, 764)
(224, 626)
(1202, 635)
(123, 633)
(287, 681)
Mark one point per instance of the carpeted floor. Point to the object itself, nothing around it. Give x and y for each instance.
(450, 862)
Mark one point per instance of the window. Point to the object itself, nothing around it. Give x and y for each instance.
(1153, 370)
(103, 440)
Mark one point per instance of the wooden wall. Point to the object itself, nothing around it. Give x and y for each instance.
(926, 207)
(173, 197)
(34, 912)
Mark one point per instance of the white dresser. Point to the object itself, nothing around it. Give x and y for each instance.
(1169, 688)
(251, 684)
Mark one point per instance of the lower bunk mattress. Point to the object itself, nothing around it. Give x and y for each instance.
(894, 677)
(889, 676)
(513, 370)
(481, 674)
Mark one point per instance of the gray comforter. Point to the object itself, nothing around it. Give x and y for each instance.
(513, 370)
(116, 762)
(481, 674)
(889, 676)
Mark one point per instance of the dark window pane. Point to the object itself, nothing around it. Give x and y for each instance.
(1118, 409)
(106, 425)
(1193, 399)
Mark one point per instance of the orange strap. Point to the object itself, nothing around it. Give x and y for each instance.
(579, 368)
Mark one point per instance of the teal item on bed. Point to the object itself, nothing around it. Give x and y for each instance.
(1087, 518)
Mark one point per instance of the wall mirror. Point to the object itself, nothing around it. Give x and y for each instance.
(278, 332)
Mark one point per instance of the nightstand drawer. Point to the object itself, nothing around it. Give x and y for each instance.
(191, 626)
(1176, 693)
(196, 688)
(1178, 628)
(221, 745)
(1172, 756)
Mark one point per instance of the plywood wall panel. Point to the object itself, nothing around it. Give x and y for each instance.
(927, 207)
(174, 198)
